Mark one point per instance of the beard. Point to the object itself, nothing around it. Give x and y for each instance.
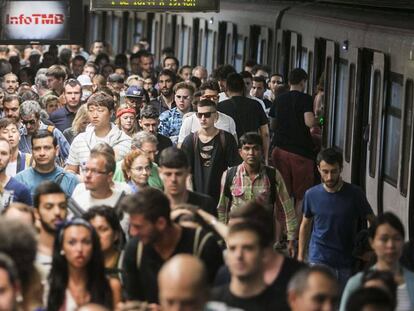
(47, 227)
(166, 92)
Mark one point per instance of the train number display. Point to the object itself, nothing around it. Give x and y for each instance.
(157, 5)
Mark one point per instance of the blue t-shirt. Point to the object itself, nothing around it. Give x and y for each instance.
(16, 192)
(32, 178)
(335, 217)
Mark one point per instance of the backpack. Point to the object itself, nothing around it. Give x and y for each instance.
(198, 245)
(231, 173)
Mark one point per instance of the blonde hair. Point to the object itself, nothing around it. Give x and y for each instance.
(80, 117)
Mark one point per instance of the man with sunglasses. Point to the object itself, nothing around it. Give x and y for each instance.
(63, 117)
(210, 91)
(210, 151)
(171, 120)
(30, 118)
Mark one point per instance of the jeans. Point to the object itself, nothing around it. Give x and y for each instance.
(342, 274)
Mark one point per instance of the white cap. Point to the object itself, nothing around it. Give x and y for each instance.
(84, 80)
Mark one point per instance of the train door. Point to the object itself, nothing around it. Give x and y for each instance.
(331, 61)
(406, 180)
(353, 132)
(375, 131)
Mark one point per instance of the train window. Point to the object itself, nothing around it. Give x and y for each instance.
(310, 72)
(374, 123)
(393, 130)
(210, 48)
(229, 50)
(238, 58)
(116, 31)
(185, 52)
(350, 113)
(278, 55)
(407, 130)
(292, 58)
(304, 59)
(327, 98)
(139, 30)
(340, 105)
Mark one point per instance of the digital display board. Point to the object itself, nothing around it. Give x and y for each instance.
(47, 21)
(157, 5)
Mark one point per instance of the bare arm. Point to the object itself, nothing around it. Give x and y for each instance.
(310, 119)
(72, 168)
(264, 133)
(304, 234)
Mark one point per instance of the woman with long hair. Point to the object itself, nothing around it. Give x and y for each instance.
(78, 275)
(79, 124)
(136, 167)
(126, 120)
(387, 239)
(106, 223)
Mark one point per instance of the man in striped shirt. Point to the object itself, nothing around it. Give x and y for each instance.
(100, 107)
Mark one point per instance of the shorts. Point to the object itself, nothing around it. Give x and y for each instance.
(297, 171)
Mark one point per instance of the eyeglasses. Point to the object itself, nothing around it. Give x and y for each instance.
(140, 169)
(94, 172)
(205, 114)
(31, 122)
(182, 97)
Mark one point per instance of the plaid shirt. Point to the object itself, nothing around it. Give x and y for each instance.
(245, 189)
(170, 124)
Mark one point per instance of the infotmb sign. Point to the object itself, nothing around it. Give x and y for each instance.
(39, 21)
(157, 5)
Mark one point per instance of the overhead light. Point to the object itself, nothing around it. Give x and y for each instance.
(211, 20)
(345, 45)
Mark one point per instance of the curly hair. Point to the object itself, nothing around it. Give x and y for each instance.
(129, 159)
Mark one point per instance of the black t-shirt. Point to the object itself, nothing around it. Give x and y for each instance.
(203, 201)
(261, 302)
(278, 287)
(248, 114)
(291, 133)
(210, 160)
(141, 283)
(163, 142)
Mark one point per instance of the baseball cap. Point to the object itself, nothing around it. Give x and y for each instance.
(135, 91)
(84, 80)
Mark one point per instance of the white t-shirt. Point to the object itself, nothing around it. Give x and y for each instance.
(86, 201)
(11, 169)
(403, 298)
(192, 125)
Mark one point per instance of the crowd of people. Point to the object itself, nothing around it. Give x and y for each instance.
(131, 183)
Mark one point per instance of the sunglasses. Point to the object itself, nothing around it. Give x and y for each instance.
(31, 122)
(205, 114)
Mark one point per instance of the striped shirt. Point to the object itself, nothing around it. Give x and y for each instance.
(245, 189)
(83, 144)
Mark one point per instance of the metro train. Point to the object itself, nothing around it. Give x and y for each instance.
(364, 49)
